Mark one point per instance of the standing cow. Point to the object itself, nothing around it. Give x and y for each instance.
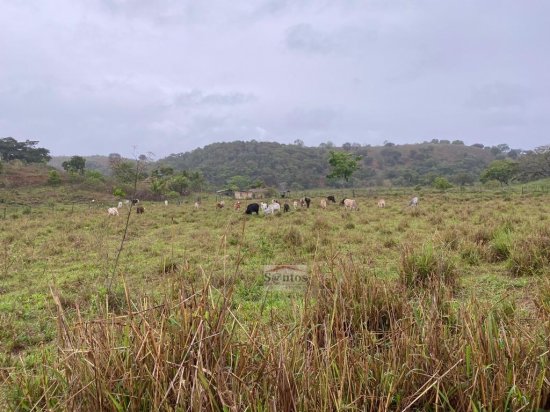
(253, 208)
(350, 204)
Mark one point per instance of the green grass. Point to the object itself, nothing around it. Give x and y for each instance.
(475, 241)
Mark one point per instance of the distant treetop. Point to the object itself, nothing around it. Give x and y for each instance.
(11, 149)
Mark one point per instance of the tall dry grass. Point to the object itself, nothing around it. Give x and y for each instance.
(356, 342)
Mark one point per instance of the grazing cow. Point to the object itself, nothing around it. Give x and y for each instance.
(119, 205)
(286, 207)
(237, 205)
(323, 204)
(252, 208)
(166, 203)
(275, 206)
(197, 205)
(135, 201)
(331, 199)
(220, 205)
(112, 211)
(350, 204)
(305, 201)
(268, 210)
(414, 202)
(295, 204)
(140, 210)
(381, 203)
(126, 202)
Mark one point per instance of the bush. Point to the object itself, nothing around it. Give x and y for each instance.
(425, 267)
(54, 178)
(441, 183)
(499, 246)
(530, 255)
(119, 192)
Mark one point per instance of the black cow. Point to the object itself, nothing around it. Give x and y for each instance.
(308, 201)
(135, 201)
(331, 198)
(286, 207)
(253, 208)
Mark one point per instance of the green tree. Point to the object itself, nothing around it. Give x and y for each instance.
(75, 165)
(125, 172)
(441, 183)
(179, 183)
(11, 149)
(535, 165)
(239, 183)
(501, 170)
(343, 165)
(464, 178)
(158, 187)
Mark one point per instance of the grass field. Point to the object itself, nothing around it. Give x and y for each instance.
(445, 306)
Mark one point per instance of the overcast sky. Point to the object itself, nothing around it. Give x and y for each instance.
(167, 76)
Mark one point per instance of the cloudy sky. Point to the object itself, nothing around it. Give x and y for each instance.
(167, 76)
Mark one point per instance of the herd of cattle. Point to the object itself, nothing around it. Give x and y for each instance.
(267, 209)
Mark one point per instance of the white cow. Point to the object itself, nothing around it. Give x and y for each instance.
(414, 202)
(350, 204)
(295, 204)
(275, 206)
(381, 203)
(323, 204)
(166, 203)
(119, 205)
(112, 211)
(197, 205)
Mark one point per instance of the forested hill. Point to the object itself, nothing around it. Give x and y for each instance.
(296, 166)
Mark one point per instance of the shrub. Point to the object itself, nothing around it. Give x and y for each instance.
(441, 183)
(425, 267)
(499, 246)
(470, 253)
(530, 255)
(294, 237)
(119, 192)
(54, 178)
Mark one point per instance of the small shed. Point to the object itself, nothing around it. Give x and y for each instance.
(250, 194)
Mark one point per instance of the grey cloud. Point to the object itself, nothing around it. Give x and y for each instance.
(304, 37)
(196, 97)
(497, 96)
(315, 119)
(103, 75)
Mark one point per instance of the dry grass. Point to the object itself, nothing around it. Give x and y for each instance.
(357, 343)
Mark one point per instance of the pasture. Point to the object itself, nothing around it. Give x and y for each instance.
(445, 305)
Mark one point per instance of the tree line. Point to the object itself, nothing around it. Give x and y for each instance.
(241, 165)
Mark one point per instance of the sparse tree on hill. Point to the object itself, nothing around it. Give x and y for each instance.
(441, 183)
(501, 170)
(179, 183)
(343, 165)
(75, 165)
(239, 183)
(535, 165)
(11, 149)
